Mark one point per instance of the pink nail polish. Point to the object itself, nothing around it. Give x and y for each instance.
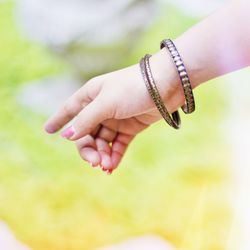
(68, 132)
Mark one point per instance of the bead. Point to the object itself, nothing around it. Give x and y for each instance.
(183, 73)
(179, 63)
(185, 82)
(174, 53)
(185, 79)
(181, 68)
(177, 58)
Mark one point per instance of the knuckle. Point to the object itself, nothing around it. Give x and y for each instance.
(95, 79)
(70, 108)
(93, 87)
(94, 82)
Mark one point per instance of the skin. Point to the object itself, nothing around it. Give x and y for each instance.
(111, 109)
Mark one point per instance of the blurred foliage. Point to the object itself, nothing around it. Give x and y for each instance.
(174, 184)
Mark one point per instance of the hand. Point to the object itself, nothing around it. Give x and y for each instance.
(110, 110)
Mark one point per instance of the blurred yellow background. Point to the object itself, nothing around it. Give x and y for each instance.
(172, 184)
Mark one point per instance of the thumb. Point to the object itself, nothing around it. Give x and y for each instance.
(88, 119)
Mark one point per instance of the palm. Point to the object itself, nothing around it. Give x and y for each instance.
(107, 145)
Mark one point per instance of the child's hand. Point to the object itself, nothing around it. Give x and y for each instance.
(110, 110)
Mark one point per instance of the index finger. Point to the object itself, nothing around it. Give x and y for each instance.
(73, 106)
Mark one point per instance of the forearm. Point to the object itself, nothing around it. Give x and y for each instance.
(218, 45)
(214, 47)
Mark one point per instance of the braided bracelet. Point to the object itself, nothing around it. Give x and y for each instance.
(174, 120)
(189, 105)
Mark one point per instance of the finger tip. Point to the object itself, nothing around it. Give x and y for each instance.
(94, 159)
(106, 163)
(109, 172)
(69, 133)
(93, 164)
(49, 129)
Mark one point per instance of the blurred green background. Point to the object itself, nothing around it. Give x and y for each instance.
(172, 184)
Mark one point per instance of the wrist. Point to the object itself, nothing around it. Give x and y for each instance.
(167, 80)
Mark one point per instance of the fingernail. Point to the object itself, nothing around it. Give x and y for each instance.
(68, 132)
(49, 129)
(92, 165)
(104, 169)
(110, 171)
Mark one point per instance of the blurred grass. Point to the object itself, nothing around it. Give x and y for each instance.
(174, 184)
